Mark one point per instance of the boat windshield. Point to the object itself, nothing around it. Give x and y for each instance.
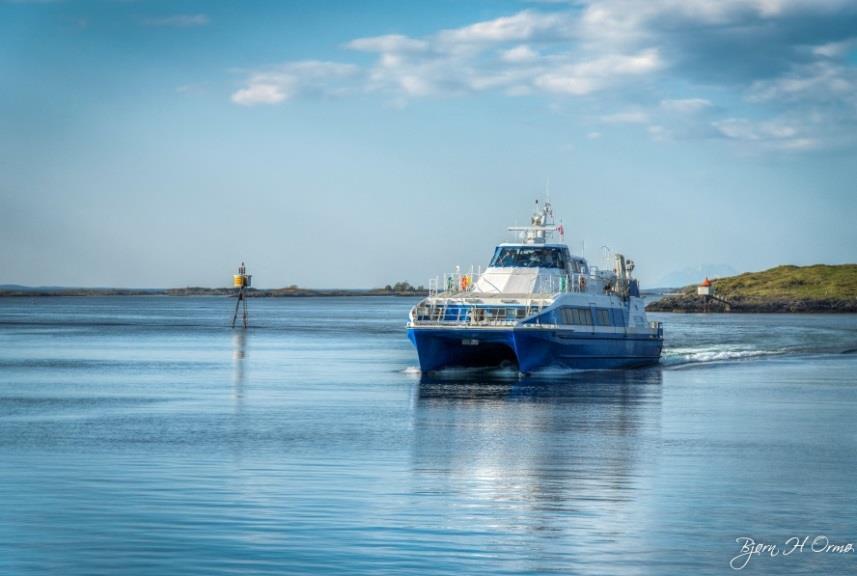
(528, 257)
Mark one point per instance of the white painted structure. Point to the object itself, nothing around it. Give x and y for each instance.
(705, 289)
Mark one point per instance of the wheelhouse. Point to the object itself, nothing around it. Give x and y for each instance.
(538, 256)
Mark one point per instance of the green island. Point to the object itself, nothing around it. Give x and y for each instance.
(816, 288)
(397, 289)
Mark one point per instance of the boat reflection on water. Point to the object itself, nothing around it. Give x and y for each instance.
(603, 386)
(555, 455)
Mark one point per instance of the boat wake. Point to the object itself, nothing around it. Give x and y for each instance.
(688, 357)
(492, 373)
(676, 357)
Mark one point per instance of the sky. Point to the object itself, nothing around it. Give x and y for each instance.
(357, 144)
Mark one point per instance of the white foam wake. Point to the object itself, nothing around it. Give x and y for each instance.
(678, 356)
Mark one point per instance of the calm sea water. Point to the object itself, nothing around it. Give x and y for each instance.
(143, 436)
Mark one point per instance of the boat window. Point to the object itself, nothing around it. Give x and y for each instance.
(584, 316)
(528, 257)
(578, 316)
(579, 266)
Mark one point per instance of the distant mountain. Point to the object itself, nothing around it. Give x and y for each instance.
(695, 275)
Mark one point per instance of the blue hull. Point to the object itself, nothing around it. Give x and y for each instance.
(532, 348)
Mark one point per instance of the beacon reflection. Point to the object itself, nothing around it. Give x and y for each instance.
(239, 353)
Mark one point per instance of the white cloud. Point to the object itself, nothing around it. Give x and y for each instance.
(178, 21)
(589, 76)
(489, 55)
(519, 54)
(779, 134)
(737, 129)
(622, 21)
(260, 93)
(685, 105)
(640, 63)
(388, 43)
(569, 84)
(762, 57)
(626, 117)
(834, 49)
(657, 132)
(278, 84)
(516, 28)
(799, 144)
(594, 135)
(817, 81)
(414, 85)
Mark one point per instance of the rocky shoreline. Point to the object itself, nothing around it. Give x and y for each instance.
(691, 303)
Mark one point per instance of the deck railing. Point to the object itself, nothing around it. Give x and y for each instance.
(444, 312)
(461, 284)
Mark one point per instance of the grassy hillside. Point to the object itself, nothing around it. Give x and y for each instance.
(817, 282)
(818, 288)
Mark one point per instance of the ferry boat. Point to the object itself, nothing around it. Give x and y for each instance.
(537, 305)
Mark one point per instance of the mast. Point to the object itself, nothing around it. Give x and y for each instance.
(542, 225)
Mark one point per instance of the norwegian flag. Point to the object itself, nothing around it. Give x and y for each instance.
(561, 230)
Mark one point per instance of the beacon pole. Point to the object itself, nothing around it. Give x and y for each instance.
(241, 281)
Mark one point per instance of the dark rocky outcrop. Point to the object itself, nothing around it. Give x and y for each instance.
(694, 303)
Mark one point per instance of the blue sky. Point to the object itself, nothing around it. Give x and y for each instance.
(348, 144)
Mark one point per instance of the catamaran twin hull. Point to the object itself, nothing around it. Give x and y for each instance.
(532, 348)
(536, 305)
